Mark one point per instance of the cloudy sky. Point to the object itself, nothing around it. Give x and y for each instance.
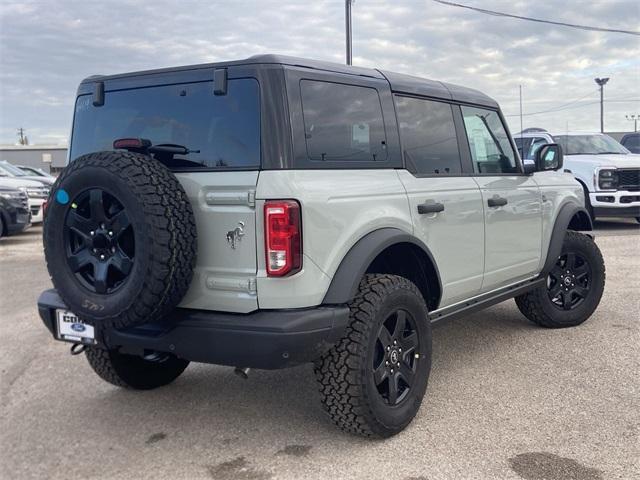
(47, 47)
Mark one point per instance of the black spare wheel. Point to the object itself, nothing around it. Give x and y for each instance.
(119, 238)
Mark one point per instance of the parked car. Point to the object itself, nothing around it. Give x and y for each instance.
(631, 141)
(14, 211)
(36, 172)
(37, 193)
(275, 211)
(607, 171)
(14, 171)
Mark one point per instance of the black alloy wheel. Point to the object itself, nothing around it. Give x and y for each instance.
(394, 361)
(569, 281)
(99, 241)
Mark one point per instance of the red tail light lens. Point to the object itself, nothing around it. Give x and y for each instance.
(283, 237)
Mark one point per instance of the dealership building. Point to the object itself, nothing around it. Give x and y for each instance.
(50, 158)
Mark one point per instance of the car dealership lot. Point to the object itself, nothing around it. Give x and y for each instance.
(506, 399)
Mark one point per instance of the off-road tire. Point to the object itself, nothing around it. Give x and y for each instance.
(130, 371)
(347, 390)
(165, 238)
(539, 309)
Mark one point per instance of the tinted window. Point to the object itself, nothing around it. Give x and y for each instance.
(491, 149)
(225, 128)
(342, 122)
(632, 143)
(428, 136)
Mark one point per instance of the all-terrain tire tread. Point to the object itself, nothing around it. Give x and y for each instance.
(343, 396)
(171, 226)
(529, 303)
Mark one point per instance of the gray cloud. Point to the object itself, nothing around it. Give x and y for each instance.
(47, 47)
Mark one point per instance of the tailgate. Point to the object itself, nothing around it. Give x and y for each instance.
(224, 208)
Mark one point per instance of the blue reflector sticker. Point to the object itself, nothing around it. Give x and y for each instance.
(62, 196)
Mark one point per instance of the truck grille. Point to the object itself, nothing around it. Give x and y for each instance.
(38, 192)
(629, 179)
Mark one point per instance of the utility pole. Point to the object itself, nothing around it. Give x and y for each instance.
(635, 119)
(23, 139)
(347, 18)
(601, 82)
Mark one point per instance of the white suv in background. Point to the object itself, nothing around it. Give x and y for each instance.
(36, 192)
(608, 172)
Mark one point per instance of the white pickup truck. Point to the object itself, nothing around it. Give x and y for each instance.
(608, 172)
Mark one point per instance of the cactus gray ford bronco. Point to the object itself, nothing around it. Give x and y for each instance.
(274, 211)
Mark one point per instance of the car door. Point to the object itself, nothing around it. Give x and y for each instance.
(511, 201)
(446, 204)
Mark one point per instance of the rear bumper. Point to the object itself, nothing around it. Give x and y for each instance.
(267, 339)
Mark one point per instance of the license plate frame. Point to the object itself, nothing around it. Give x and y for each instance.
(69, 328)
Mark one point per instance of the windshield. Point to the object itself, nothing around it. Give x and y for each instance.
(11, 170)
(589, 145)
(221, 131)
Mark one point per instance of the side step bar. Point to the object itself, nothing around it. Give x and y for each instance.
(486, 300)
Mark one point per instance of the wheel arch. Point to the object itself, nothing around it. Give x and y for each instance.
(387, 250)
(571, 216)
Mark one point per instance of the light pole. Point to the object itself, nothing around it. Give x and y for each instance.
(601, 82)
(347, 18)
(635, 118)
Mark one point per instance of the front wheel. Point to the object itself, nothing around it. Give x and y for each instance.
(138, 373)
(373, 380)
(574, 286)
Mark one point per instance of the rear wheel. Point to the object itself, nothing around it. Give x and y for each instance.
(574, 286)
(130, 371)
(373, 381)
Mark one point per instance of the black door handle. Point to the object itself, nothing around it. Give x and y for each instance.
(497, 201)
(430, 208)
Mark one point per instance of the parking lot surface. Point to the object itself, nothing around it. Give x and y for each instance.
(506, 400)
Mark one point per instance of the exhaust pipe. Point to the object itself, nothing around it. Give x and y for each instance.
(242, 372)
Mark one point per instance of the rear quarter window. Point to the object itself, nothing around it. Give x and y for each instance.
(342, 122)
(223, 129)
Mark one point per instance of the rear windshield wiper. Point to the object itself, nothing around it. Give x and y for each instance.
(611, 153)
(162, 151)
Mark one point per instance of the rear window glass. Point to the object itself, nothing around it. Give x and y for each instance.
(342, 122)
(223, 129)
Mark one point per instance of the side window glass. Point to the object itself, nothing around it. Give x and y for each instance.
(535, 145)
(490, 147)
(428, 135)
(522, 144)
(342, 122)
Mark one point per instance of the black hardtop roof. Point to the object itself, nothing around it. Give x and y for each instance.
(399, 82)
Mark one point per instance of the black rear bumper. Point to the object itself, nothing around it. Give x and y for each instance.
(268, 339)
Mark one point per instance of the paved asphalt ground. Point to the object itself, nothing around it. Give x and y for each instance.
(505, 400)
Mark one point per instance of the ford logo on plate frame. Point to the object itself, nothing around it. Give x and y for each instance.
(78, 327)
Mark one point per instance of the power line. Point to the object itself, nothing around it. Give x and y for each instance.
(559, 107)
(538, 20)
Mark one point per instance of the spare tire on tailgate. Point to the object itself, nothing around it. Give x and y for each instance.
(119, 239)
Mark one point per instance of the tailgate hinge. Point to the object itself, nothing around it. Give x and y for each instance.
(252, 285)
(251, 198)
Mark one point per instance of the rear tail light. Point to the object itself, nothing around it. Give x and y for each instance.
(283, 237)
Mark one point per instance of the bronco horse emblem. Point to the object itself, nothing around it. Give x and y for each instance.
(235, 235)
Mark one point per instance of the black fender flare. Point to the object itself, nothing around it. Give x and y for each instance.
(346, 280)
(563, 219)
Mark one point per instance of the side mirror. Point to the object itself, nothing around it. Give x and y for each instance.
(529, 167)
(549, 157)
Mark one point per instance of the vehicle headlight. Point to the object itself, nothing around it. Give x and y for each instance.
(608, 180)
(11, 194)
